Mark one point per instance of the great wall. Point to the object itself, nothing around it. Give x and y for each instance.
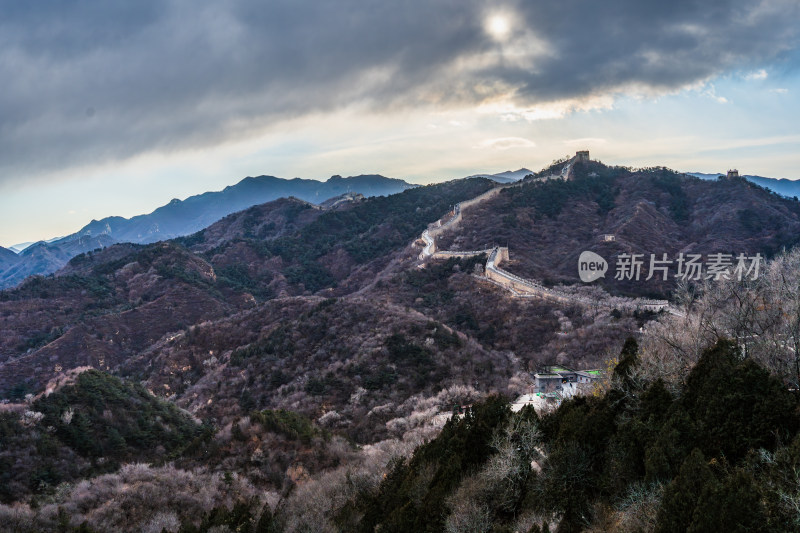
(520, 287)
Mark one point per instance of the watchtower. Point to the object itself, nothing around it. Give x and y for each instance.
(582, 155)
(733, 173)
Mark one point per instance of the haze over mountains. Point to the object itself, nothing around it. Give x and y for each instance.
(7, 258)
(786, 187)
(288, 248)
(183, 217)
(476, 347)
(509, 176)
(293, 332)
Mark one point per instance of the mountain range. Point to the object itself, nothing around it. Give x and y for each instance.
(509, 176)
(17, 248)
(783, 186)
(289, 248)
(183, 217)
(299, 338)
(7, 258)
(45, 258)
(546, 225)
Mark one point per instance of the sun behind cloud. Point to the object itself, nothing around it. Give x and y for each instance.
(498, 25)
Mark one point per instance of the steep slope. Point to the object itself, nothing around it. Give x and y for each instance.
(95, 422)
(547, 225)
(294, 332)
(183, 217)
(711, 458)
(7, 258)
(339, 249)
(99, 319)
(782, 186)
(265, 222)
(107, 306)
(44, 258)
(355, 359)
(180, 218)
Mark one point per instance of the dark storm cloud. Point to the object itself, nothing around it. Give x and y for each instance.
(97, 80)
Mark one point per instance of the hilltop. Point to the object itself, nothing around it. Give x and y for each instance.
(108, 305)
(300, 341)
(546, 224)
(183, 217)
(782, 186)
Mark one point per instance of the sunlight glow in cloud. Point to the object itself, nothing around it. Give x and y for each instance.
(114, 108)
(498, 26)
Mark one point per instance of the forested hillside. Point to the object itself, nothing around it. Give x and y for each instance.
(293, 369)
(717, 455)
(547, 224)
(108, 305)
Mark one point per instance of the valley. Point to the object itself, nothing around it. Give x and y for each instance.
(300, 344)
(518, 286)
(400, 267)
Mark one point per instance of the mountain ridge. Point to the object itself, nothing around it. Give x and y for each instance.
(508, 176)
(290, 248)
(179, 218)
(325, 327)
(784, 186)
(7, 258)
(44, 258)
(183, 217)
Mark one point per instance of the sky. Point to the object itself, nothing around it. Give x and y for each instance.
(113, 107)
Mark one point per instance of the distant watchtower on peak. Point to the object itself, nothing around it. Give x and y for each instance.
(733, 173)
(582, 155)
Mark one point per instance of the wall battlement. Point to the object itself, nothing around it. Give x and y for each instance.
(518, 286)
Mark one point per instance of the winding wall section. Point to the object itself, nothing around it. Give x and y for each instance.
(519, 286)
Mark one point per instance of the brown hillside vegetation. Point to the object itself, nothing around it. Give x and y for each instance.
(351, 362)
(111, 304)
(297, 342)
(546, 225)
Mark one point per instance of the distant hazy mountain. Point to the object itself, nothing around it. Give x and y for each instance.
(7, 258)
(179, 218)
(182, 217)
(17, 248)
(505, 177)
(45, 258)
(782, 186)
